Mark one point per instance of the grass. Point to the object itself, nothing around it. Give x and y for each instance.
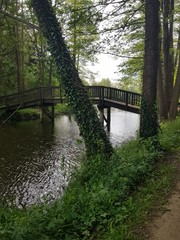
(32, 113)
(105, 199)
(146, 201)
(20, 115)
(62, 108)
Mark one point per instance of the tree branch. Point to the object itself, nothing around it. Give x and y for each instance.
(18, 19)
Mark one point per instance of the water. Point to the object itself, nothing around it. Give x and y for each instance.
(36, 159)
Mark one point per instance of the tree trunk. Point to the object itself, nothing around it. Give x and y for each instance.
(39, 52)
(168, 7)
(19, 57)
(19, 35)
(175, 95)
(148, 118)
(160, 87)
(50, 72)
(91, 130)
(160, 94)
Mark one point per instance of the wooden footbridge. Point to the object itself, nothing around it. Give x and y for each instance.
(103, 97)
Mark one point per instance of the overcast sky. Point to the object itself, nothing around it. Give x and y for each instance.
(106, 67)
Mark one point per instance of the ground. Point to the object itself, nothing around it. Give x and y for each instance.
(166, 225)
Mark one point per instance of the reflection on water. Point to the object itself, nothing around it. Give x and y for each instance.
(36, 159)
(124, 126)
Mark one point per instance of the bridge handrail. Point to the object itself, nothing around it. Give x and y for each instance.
(114, 94)
(30, 95)
(100, 92)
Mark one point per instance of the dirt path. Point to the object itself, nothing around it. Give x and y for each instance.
(167, 225)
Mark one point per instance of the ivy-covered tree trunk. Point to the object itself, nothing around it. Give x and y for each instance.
(91, 129)
(149, 119)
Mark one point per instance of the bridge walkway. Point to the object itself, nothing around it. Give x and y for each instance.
(104, 97)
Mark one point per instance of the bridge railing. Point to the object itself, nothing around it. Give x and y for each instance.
(20, 98)
(36, 94)
(113, 94)
(100, 93)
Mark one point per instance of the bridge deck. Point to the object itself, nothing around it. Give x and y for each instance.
(48, 96)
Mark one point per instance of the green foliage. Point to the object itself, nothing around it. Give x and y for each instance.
(91, 129)
(170, 135)
(105, 82)
(79, 23)
(20, 115)
(62, 108)
(132, 68)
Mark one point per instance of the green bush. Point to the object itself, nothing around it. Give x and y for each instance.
(62, 108)
(20, 115)
(170, 135)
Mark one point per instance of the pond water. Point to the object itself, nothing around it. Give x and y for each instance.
(36, 159)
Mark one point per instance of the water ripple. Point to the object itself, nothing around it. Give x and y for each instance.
(36, 160)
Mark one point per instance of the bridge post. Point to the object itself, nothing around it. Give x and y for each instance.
(41, 114)
(108, 118)
(126, 101)
(60, 93)
(52, 113)
(44, 111)
(101, 110)
(103, 118)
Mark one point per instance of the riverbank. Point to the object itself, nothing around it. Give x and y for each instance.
(105, 200)
(31, 113)
(20, 115)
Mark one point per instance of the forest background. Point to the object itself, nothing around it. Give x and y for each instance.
(90, 27)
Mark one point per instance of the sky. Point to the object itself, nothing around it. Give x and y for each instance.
(106, 67)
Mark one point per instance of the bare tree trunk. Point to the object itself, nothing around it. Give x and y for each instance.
(19, 58)
(160, 93)
(175, 95)
(91, 130)
(160, 87)
(50, 72)
(168, 7)
(19, 34)
(39, 52)
(148, 118)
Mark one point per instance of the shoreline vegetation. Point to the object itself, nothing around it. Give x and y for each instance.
(32, 113)
(106, 199)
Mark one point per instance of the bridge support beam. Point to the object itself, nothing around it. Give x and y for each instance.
(107, 118)
(41, 114)
(101, 110)
(45, 112)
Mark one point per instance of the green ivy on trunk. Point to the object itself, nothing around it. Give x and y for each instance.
(91, 129)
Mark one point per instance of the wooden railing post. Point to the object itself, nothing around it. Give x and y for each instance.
(127, 95)
(102, 96)
(60, 93)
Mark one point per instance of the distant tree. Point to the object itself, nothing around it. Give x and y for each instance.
(91, 129)
(105, 82)
(123, 36)
(168, 80)
(176, 87)
(148, 118)
(80, 27)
